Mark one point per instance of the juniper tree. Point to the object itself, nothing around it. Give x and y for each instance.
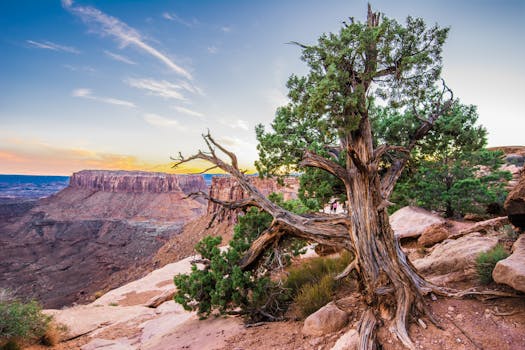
(327, 126)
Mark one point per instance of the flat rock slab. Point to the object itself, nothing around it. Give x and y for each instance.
(211, 333)
(413, 221)
(104, 344)
(85, 319)
(145, 291)
(455, 260)
(511, 271)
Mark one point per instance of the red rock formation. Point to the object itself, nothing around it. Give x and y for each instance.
(136, 182)
(226, 188)
(515, 203)
(106, 223)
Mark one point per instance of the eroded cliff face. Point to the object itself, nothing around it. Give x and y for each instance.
(136, 182)
(100, 231)
(227, 188)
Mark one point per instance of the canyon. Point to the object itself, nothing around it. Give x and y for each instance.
(107, 228)
(97, 233)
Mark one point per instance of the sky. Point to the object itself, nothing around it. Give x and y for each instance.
(94, 84)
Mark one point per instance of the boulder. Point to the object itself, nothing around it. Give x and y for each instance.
(455, 260)
(515, 204)
(413, 221)
(347, 341)
(327, 319)
(433, 234)
(511, 271)
(486, 226)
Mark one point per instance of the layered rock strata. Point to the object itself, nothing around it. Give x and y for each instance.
(226, 188)
(97, 233)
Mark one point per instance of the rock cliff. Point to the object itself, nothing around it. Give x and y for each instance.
(515, 203)
(227, 188)
(100, 231)
(136, 182)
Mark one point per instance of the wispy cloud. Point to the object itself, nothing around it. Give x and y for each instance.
(48, 45)
(87, 93)
(236, 124)
(114, 27)
(213, 49)
(118, 57)
(172, 16)
(164, 88)
(188, 111)
(158, 120)
(160, 88)
(80, 68)
(226, 29)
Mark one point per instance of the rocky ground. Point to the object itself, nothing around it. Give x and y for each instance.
(141, 315)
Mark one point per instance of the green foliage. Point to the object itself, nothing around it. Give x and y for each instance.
(329, 102)
(312, 296)
(21, 323)
(465, 183)
(313, 270)
(485, 262)
(312, 284)
(450, 170)
(222, 285)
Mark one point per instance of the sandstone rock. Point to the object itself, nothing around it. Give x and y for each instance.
(85, 319)
(347, 341)
(227, 188)
(412, 221)
(511, 271)
(454, 260)
(327, 319)
(150, 289)
(136, 182)
(433, 234)
(515, 204)
(485, 227)
(117, 344)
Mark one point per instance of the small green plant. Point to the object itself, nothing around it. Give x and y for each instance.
(21, 323)
(312, 284)
(314, 270)
(312, 296)
(485, 262)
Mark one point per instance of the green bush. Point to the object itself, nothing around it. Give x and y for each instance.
(312, 284)
(221, 285)
(485, 262)
(312, 271)
(312, 296)
(21, 323)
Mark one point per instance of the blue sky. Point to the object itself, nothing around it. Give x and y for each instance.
(127, 84)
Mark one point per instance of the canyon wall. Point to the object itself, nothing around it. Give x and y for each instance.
(136, 182)
(226, 188)
(99, 232)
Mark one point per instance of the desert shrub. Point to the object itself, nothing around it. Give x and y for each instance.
(312, 296)
(312, 271)
(222, 286)
(312, 284)
(21, 322)
(485, 262)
